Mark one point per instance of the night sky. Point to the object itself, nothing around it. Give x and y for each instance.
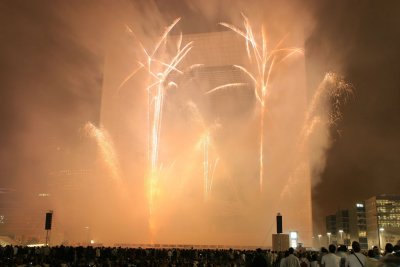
(50, 70)
(362, 40)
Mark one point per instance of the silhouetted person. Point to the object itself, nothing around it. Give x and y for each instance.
(259, 259)
(388, 250)
(342, 253)
(371, 260)
(377, 253)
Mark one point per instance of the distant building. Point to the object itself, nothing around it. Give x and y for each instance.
(348, 225)
(331, 225)
(343, 225)
(383, 219)
(358, 224)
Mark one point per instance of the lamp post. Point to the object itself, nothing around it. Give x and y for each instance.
(379, 238)
(319, 240)
(329, 238)
(341, 235)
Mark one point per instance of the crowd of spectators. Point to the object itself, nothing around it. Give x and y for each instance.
(136, 257)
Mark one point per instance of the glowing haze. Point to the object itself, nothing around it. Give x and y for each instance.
(190, 182)
(207, 129)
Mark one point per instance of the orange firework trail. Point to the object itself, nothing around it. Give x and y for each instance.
(159, 70)
(264, 61)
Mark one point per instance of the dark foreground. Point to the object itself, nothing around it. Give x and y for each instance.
(138, 257)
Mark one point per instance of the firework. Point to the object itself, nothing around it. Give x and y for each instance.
(106, 148)
(205, 145)
(333, 88)
(159, 69)
(263, 60)
(209, 165)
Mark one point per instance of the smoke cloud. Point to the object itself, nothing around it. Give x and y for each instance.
(65, 63)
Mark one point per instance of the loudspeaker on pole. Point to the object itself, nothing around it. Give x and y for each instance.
(279, 223)
(49, 217)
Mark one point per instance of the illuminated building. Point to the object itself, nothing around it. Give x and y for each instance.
(348, 225)
(383, 219)
(358, 224)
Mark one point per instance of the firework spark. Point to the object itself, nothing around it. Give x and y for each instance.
(106, 148)
(264, 61)
(209, 164)
(333, 91)
(205, 144)
(333, 88)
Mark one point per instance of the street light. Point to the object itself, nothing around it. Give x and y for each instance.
(329, 238)
(379, 237)
(341, 235)
(319, 240)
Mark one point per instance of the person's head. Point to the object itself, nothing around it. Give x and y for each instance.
(342, 248)
(291, 250)
(371, 253)
(324, 250)
(314, 257)
(332, 248)
(388, 248)
(355, 246)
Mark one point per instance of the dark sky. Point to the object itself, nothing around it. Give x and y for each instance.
(41, 61)
(362, 40)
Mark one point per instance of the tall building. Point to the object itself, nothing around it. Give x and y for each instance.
(343, 225)
(331, 225)
(383, 219)
(358, 224)
(235, 112)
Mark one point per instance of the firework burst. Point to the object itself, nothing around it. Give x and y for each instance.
(159, 67)
(334, 89)
(263, 61)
